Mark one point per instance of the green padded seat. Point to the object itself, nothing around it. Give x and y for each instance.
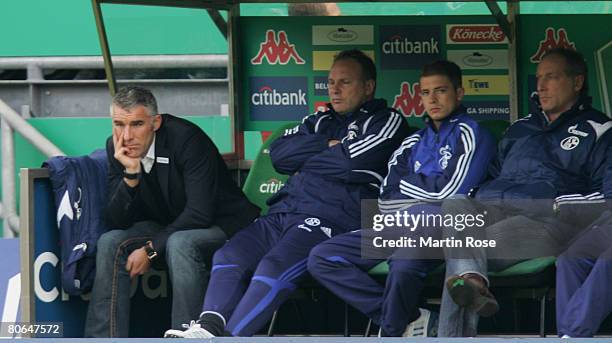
(532, 266)
(262, 173)
(496, 127)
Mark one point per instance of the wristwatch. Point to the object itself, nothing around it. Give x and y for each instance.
(151, 253)
(130, 176)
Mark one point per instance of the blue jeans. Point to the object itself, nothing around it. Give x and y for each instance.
(187, 253)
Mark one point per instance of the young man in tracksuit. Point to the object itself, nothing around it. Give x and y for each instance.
(448, 157)
(336, 158)
(552, 158)
(584, 272)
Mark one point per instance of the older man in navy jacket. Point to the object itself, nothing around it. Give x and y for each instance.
(552, 158)
(336, 158)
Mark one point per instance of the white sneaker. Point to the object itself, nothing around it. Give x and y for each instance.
(194, 330)
(424, 326)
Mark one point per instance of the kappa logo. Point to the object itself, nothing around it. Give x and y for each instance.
(570, 143)
(409, 101)
(552, 39)
(446, 155)
(277, 50)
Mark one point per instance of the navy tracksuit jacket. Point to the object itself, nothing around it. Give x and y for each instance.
(80, 191)
(260, 266)
(428, 167)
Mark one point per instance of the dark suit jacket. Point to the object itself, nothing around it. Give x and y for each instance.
(195, 183)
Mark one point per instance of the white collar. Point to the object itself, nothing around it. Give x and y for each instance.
(149, 159)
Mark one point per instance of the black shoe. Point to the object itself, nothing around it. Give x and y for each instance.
(467, 292)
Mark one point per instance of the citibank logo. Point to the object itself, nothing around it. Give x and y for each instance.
(278, 98)
(402, 45)
(269, 96)
(409, 46)
(271, 186)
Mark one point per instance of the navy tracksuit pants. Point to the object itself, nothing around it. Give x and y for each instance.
(258, 268)
(338, 265)
(584, 276)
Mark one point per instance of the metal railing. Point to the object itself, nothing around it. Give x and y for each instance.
(11, 120)
(34, 64)
(186, 84)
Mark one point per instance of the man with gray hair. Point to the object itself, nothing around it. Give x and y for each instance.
(172, 203)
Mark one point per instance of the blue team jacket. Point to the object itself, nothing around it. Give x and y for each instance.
(432, 165)
(330, 182)
(562, 161)
(80, 190)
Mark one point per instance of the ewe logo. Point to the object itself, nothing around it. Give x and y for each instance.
(278, 98)
(271, 186)
(277, 50)
(478, 85)
(552, 40)
(409, 102)
(486, 84)
(409, 47)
